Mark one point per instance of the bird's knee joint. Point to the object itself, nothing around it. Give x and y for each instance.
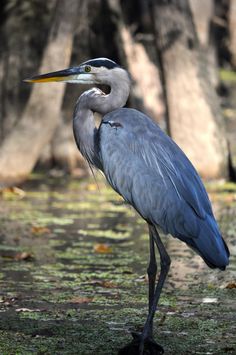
(152, 269)
(165, 264)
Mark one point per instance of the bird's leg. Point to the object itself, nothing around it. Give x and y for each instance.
(165, 265)
(143, 343)
(152, 272)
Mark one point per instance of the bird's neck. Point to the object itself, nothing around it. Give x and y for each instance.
(86, 134)
(117, 98)
(94, 100)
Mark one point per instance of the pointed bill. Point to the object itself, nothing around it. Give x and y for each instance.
(70, 75)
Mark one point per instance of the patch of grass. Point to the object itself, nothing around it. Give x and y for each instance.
(228, 75)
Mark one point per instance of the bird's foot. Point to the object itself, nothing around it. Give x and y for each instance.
(141, 346)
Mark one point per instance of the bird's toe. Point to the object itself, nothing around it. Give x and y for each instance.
(138, 346)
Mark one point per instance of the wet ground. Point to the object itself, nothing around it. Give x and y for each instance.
(73, 275)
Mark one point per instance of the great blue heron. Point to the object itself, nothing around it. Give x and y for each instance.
(148, 169)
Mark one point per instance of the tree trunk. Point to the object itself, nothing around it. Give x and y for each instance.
(63, 150)
(107, 22)
(232, 31)
(140, 59)
(195, 119)
(22, 24)
(94, 30)
(22, 147)
(202, 18)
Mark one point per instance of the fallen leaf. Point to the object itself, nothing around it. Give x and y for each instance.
(29, 310)
(231, 285)
(91, 187)
(142, 278)
(9, 192)
(102, 249)
(81, 300)
(8, 301)
(99, 283)
(40, 230)
(23, 256)
(108, 284)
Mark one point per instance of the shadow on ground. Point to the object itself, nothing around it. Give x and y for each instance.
(72, 275)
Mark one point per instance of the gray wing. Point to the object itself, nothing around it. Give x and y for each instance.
(152, 173)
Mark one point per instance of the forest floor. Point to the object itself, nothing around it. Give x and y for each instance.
(73, 279)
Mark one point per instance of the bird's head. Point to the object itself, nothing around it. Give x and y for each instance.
(93, 71)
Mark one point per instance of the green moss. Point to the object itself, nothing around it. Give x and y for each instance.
(221, 187)
(105, 233)
(71, 300)
(228, 75)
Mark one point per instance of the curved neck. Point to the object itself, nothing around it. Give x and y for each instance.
(86, 134)
(94, 100)
(117, 98)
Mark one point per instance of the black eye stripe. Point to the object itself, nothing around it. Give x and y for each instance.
(109, 64)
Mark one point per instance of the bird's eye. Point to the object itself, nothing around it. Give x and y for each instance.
(87, 69)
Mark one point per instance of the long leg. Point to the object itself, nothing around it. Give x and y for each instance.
(144, 343)
(152, 272)
(165, 265)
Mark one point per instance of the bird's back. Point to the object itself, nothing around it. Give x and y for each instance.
(152, 173)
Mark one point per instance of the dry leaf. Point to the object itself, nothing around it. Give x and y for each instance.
(92, 187)
(108, 284)
(12, 191)
(101, 283)
(29, 310)
(231, 285)
(40, 230)
(7, 301)
(23, 256)
(103, 249)
(81, 300)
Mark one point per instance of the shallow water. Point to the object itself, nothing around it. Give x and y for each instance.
(73, 279)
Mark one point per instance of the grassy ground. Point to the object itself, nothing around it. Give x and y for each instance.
(72, 275)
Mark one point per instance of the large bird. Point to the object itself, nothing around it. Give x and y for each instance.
(148, 170)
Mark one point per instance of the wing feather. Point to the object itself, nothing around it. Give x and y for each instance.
(164, 158)
(152, 173)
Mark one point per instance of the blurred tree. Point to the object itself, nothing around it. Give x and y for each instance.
(165, 44)
(95, 29)
(138, 38)
(20, 150)
(232, 31)
(102, 23)
(61, 150)
(203, 20)
(195, 119)
(23, 28)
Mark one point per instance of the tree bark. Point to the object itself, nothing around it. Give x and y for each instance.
(93, 31)
(195, 119)
(232, 31)
(22, 24)
(107, 22)
(63, 150)
(139, 57)
(22, 147)
(202, 18)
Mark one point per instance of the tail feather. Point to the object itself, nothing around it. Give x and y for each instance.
(210, 245)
